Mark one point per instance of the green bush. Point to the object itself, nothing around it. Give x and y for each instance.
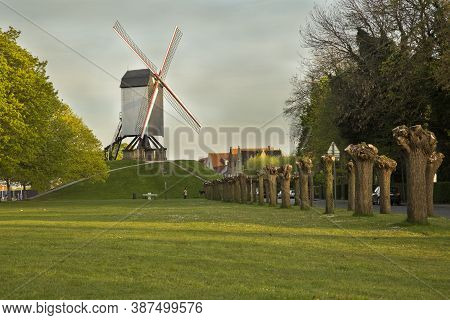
(259, 162)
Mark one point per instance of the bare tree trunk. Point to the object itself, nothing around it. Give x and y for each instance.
(304, 165)
(285, 176)
(327, 161)
(214, 187)
(8, 189)
(254, 183)
(261, 188)
(221, 191)
(417, 145)
(384, 167)
(363, 155)
(433, 164)
(232, 189)
(351, 185)
(237, 189)
(226, 190)
(24, 191)
(272, 178)
(311, 188)
(217, 183)
(210, 191)
(243, 182)
(297, 190)
(266, 188)
(249, 189)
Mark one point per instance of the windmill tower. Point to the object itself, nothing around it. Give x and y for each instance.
(142, 107)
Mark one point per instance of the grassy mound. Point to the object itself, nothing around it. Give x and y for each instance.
(128, 177)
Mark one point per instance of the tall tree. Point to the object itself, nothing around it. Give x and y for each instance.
(41, 141)
(386, 64)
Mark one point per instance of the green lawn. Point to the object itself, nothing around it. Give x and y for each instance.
(199, 249)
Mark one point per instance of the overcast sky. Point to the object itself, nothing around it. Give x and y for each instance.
(232, 68)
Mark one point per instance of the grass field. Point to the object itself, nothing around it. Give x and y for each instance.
(199, 249)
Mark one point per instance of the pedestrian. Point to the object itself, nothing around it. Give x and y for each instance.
(185, 193)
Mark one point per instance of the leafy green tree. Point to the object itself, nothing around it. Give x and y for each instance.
(41, 141)
(121, 148)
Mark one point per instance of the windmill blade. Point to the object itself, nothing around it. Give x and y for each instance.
(151, 103)
(125, 37)
(181, 109)
(143, 110)
(177, 34)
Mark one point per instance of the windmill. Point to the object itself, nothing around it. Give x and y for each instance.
(142, 116)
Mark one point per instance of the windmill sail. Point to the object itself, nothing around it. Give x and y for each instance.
(125, 37)
(182, 111)
(170, 53)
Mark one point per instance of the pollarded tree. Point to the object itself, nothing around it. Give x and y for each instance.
(363, 155)
(433, 164)
(218, 196)
(243, 183)
(417, 145)
(271, 173)
(206, 188)
(327, 161)
(311, 188)
(249, 188)
(351, 185)
(237, 190)
(230, 188)
(214, 190)
(230, 184)
(221, 191)
(296, 180)
(224, 190)
(211, 193)
(285, 175)
(261, 175)
(266, 188)
(304, 165)
(254, 183)
(384, 167)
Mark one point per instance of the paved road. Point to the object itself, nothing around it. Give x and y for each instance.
(439, 209)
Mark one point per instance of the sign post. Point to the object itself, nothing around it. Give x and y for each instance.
(334, 151)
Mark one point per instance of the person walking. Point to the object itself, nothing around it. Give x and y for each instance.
(185, 193)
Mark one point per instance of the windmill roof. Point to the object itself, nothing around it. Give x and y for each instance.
(136, 78)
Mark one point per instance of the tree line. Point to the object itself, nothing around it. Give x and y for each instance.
(375, 65)
(42, 142)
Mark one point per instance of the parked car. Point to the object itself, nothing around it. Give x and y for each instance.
(394, 193)
(291, 194)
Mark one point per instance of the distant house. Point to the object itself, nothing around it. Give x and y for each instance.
(216, 161)
(232, 163)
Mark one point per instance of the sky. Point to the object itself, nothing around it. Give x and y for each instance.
(232, 69)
